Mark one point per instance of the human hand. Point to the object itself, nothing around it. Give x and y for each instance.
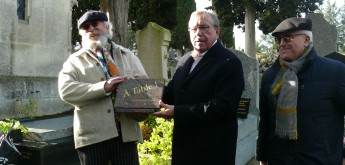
(140, 116)
(167, 112)
(263, 163)
(112, 83)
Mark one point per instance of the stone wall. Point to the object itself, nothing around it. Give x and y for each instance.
(32, 53)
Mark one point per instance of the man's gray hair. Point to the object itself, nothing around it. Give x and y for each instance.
(211, 13)
(308, 33)
(110, 27)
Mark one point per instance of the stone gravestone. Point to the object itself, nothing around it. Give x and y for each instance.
(250, 71)
(247, 127)
(324, 34)
(153, 42)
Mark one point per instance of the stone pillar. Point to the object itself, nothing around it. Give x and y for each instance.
(250, 32)
(153, 42)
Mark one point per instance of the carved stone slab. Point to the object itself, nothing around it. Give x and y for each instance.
(139, 95)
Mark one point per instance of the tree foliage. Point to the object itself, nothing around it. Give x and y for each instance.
(277, 10)
(231, 13)
(172, 15)
(269, 13)
(341, 30)
(227, 36)
(267, 52)
(162, 12)
(266, 45)
(180, 35)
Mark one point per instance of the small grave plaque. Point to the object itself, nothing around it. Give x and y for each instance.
(243, 108)
(139, 95)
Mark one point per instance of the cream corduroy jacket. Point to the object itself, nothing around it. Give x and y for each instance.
(81, 84)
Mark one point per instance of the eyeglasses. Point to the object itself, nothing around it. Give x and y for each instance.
(201, 28)
(87, 25)
(287, 38)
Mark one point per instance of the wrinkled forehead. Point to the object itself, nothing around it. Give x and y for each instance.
(200, 19)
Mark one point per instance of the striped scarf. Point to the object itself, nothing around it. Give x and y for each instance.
(285, 86)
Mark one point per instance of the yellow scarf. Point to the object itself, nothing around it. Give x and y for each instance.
(285, 87)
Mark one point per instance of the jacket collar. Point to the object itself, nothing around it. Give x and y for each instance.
(208, 57)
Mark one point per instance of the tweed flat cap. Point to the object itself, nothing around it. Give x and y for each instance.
(293, 24)
(92, 15)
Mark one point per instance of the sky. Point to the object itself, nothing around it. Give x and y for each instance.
(239, 35)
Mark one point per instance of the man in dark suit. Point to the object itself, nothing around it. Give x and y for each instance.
(203, 97)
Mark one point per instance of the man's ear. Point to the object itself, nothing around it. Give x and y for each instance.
(217, 30)
(307, 40)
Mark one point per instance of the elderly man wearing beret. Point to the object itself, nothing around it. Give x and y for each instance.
(302, 102)
(88, 81)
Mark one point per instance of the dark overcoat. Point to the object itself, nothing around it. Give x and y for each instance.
(206, 101)
(320, 120)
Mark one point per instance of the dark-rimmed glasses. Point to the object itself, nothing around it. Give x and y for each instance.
(203, 28)
(87, 25)
(287, 38)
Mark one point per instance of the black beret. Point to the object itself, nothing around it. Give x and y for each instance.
(293, 24)
(92, 16)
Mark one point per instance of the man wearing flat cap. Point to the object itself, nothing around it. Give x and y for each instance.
(88, 81)
(302, 102)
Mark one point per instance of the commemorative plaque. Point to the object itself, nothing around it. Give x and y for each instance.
(243, 108)
(139, 95)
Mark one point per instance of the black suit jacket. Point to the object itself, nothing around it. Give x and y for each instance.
(217, 83)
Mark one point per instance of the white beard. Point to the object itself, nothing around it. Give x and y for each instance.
(93, 45)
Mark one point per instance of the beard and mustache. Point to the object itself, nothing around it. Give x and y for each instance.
(91, 44)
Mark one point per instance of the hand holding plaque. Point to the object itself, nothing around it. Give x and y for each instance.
(139, 95)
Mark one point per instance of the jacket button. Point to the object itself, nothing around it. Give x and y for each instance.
(102, 79)
(97, 64)
(109, 111)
